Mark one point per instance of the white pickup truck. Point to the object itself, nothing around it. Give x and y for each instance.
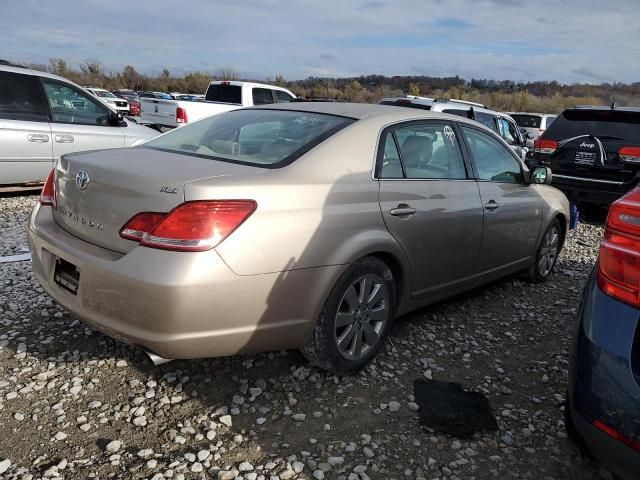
(221, 96)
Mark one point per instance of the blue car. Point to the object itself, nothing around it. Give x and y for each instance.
(603, 400)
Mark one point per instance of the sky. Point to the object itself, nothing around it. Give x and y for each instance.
(586, 41)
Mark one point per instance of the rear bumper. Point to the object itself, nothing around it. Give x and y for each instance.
(176, 304)
(602, 379)
(583, 190)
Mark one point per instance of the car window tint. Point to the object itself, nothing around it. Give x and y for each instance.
(262, 96)
(430, 151)
(255, 137)
(283, 97)
(391, 166)
(527, 121)
(71, 105)
(550, 120)
(487, 120)
(21, 98)
(224, 93)
(492, 159)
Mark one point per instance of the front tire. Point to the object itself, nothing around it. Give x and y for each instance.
(355, 319)
(547, 254)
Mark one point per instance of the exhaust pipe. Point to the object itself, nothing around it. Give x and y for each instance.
(156, 359)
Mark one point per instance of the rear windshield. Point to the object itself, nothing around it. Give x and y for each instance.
(406, 103)
(221, 92)
(528, 121)
(604, 124)
(265, 138)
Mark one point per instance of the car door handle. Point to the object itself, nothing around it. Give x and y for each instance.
(38, 138)
(64, 138)
(402, 209)
(491, 205)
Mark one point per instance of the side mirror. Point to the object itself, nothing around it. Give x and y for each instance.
(541, 176)
(115, 119)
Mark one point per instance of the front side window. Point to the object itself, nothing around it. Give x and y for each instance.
(262, 96)
(267, 138)
(21, 98)
(508, 132)
(72, 105)
(492, 159)
(427, 151)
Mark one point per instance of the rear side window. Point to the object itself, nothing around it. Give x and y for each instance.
(427, 151)
(224, 93)
(604, 124)
(264, 138)
(550, 120)
(283, 97)
(262, 96)
(528, 121)
(21, 98)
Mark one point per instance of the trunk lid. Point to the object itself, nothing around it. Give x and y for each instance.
(122, 183)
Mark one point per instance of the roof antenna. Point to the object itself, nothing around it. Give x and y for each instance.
(471, 114)
(613, 105)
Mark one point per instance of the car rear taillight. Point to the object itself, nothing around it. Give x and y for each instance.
(545, 146)
(191, 227)
(140, 225)
(619, 262)
(616, 435)
(48, 194)
(630, 154)
(181, 115)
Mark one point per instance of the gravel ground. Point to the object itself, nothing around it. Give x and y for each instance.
(76, 404)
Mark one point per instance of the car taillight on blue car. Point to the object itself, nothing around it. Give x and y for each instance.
(619, 264)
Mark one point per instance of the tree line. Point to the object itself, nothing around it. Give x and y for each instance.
(503, 95)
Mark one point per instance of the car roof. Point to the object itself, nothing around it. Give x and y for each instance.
(361, 111)
(249, 84)
(30, 71)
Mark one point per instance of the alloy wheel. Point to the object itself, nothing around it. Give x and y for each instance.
(361, 317)
(549, 250)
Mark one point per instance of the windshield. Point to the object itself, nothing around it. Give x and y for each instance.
(104, 94)
(527, 121)
(267, 138)
(604, 124)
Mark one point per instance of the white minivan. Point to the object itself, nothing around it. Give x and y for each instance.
(44, 116)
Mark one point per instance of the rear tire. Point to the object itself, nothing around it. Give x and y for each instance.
(546, 255)
(355, 320)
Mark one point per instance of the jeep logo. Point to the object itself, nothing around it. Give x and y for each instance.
(587, 145)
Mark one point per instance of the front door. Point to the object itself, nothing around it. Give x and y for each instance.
(79, 121)
(512, 208)
(429, 204)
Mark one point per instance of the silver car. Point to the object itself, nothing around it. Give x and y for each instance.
(307, 225)
(44, 116)
(533, 124)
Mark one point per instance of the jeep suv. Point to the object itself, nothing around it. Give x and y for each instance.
(594, 152)
(499, 122)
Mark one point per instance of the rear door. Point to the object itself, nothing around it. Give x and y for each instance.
(512, 208)
(429, 204)
(26, 153)
(79, 122)
(587, 143)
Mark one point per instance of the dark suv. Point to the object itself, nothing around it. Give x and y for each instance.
(594, 153)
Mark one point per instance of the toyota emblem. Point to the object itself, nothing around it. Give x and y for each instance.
(82, 180)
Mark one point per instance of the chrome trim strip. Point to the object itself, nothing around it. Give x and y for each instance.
(595, 180)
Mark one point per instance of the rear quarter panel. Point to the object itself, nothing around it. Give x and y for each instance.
(321, 210)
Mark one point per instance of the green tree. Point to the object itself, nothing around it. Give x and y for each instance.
(130, 77)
